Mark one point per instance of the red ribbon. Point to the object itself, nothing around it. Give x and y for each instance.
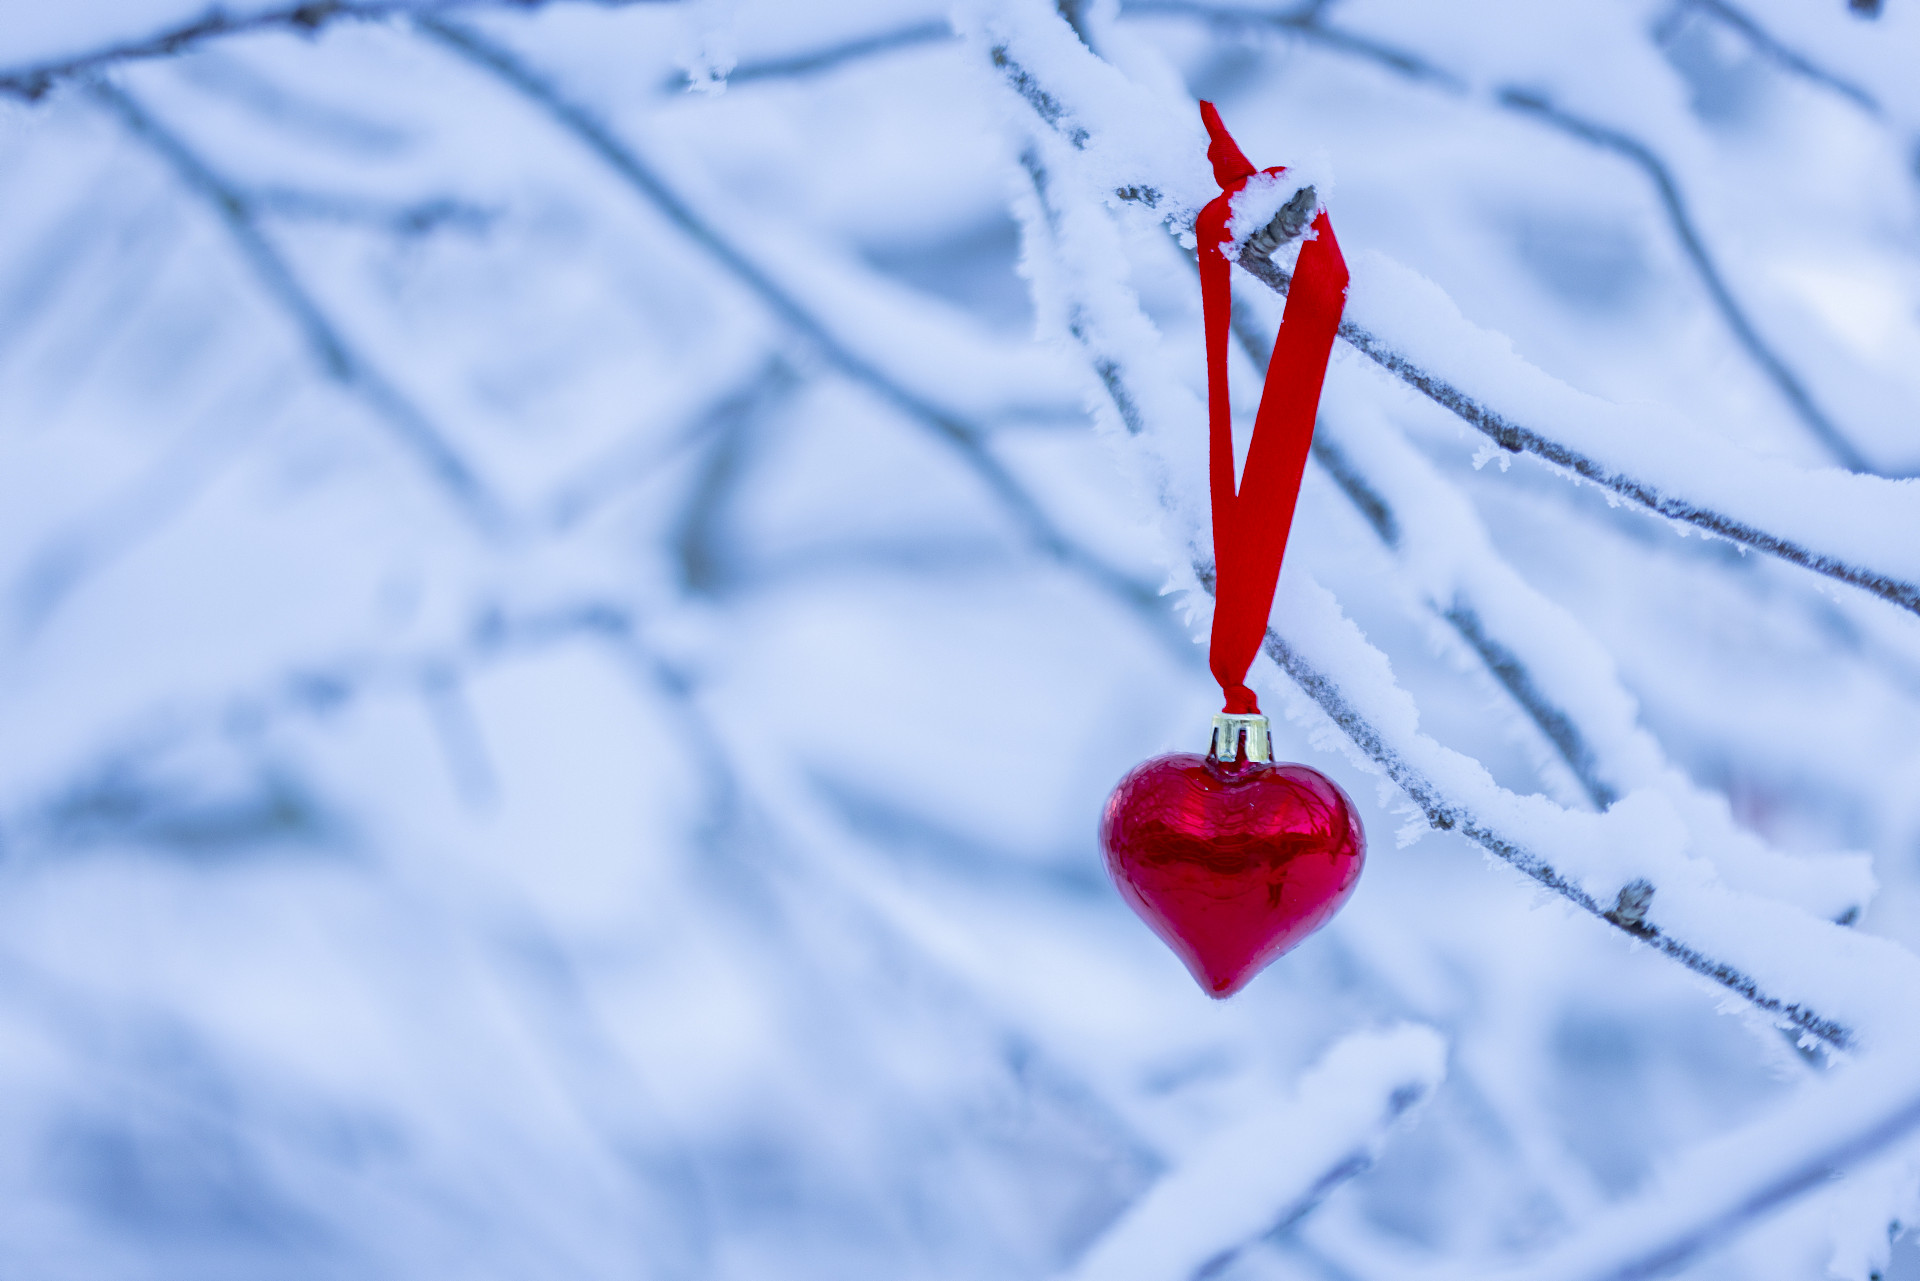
(1250, 527)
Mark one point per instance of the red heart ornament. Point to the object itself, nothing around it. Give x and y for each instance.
(1231, 862)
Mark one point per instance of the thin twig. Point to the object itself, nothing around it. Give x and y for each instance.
(32, 80)
(1307, 23)
(695, 538)
(1598, 1252)
(1517, 438)
(967, 439)
(1516, 678)
(1772, 364)
(1283, 1160)
(1500, 429)
(1783, 55)
(1534, 107)
(1448, 814)
(1509, 669)
(336, 356)
(605, 476)
(401, 218)
(814, 61)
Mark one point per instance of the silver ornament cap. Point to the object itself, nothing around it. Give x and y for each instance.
(1233, 731)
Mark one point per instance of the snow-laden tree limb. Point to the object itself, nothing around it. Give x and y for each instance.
(1763, 503)
(967, 438)
(759, 815)
(811, 62)
(32, 81)
(1555, 671)
(1799, 970)
(1308, 23)
(1529, 104)
(1860, 530)
(1791, 386)
(1457, 607)
(1551, 667)
(196, 24)
(1833, 1126)
(1267, 1169)
(337, 357)
(1632, 867)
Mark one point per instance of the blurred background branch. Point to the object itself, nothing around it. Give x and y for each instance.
(662, 844)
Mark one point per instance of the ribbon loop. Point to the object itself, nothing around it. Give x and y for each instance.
(1250, 526)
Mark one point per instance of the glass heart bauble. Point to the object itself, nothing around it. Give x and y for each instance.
(1231, 862)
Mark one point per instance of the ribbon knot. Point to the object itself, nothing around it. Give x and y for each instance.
(1231, 168)
(1250, 526)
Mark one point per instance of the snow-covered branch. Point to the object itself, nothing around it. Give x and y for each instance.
(1791, 385)
(337, 357)
(1727, 1186)
(1860, 530)
(702, 875)
(965, 437)
(812, 62)
(1779, 960)
(1552, 668)
(1801, 517)
(1530, 104)
(196, 25)
(1268, 1169)
(1307, 23)
(1690, 902)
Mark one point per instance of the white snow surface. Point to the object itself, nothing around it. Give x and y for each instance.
(560, 656)
(1267, 1166)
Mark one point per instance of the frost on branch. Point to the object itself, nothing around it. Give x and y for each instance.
(563, 639)
(1270, 1166)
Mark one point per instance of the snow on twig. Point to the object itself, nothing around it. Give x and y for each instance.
(1551, 666)
(1832, 1127)
(965, 437)
(1266, 1170)
(1554, 669)
(1860, 530)
(1308, 24)
(1791, 386)
(1772, 506)
(812, 62)
(33, 80)
(1793, 968)
(1632, 867)
(337, 356)
(1534, 107)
